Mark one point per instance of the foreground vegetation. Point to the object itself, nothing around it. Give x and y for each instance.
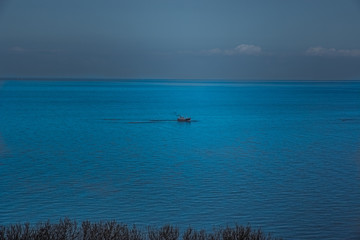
(71, 230)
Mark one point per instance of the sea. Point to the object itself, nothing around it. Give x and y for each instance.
(283, 156)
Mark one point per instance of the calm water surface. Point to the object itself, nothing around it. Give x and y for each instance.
(283, 156)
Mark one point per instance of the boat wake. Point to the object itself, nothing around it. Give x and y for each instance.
(143, 121)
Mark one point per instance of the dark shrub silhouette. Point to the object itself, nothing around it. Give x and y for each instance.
(111, 230)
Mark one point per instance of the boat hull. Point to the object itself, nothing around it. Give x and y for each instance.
(184, 119)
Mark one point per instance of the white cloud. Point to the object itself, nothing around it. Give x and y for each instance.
(242, 49)
(321, 51)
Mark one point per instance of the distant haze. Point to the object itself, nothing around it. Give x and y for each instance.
(186, 39)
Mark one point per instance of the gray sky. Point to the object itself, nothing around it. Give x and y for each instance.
(190, 39)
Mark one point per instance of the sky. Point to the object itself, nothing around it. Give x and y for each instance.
(181, 39)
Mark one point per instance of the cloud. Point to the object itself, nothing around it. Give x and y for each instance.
(242, 49)
(321, 51)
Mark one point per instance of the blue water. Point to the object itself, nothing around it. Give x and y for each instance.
(283, 156)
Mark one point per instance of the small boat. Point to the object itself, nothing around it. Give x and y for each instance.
(183, 119)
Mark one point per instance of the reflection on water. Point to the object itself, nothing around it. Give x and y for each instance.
(283, 157)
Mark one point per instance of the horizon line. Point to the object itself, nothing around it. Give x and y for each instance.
(168, 79)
